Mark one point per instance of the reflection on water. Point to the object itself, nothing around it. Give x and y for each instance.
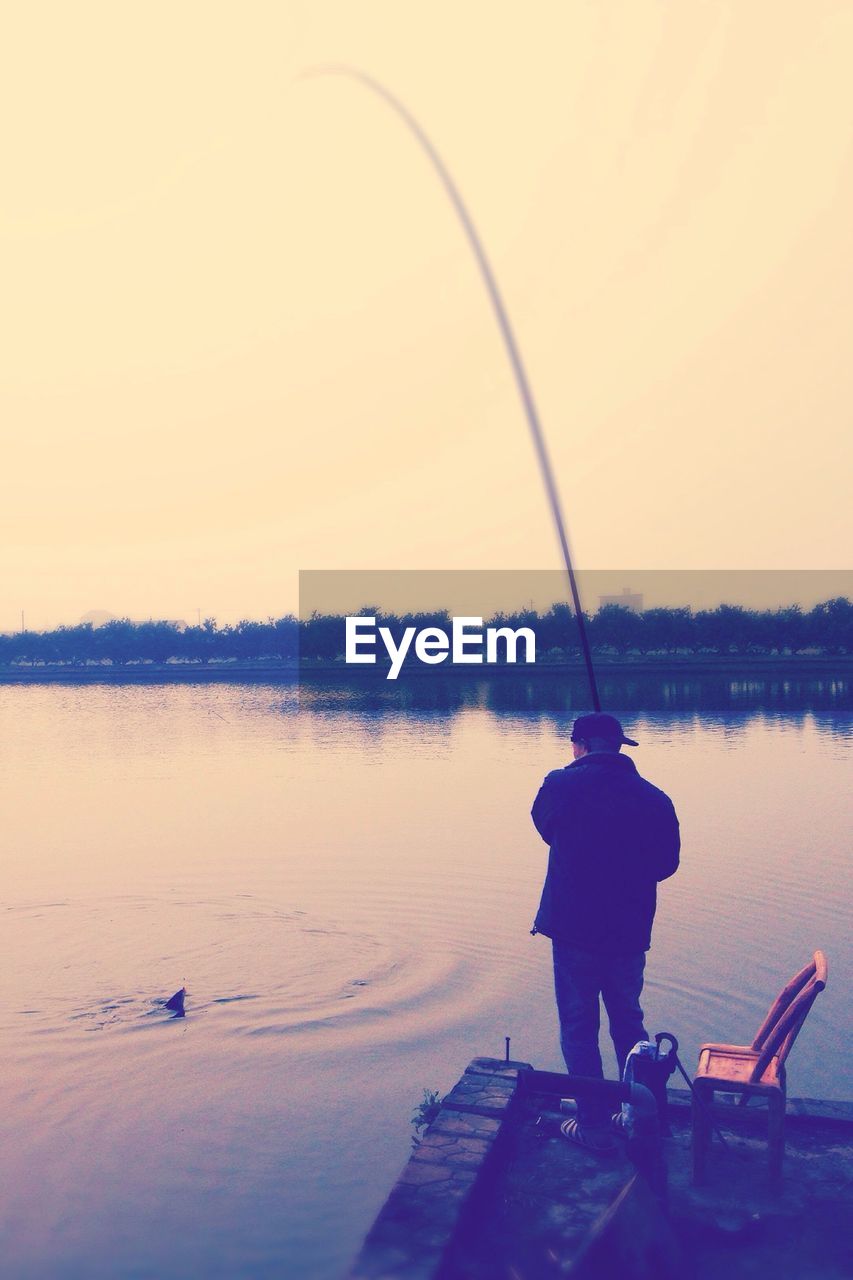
(825, 697)
(343, 878)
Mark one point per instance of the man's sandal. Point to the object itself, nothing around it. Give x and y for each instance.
(603, 1146)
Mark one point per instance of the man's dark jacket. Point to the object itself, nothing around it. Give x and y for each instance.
(612, 836)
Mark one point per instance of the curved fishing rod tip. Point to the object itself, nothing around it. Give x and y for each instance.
(502, 317)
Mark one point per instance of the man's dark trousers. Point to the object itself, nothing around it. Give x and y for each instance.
(579, 978)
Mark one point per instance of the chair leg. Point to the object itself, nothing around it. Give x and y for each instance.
(776, 1137)
(702, 1101)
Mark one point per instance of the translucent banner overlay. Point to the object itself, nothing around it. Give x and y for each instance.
(396, 626)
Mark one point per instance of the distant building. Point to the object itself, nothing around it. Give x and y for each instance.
(632, 600)
(98, 617)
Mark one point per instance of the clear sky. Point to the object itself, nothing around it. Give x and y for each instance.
(242, 333)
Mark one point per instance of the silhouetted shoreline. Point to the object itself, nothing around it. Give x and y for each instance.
(198, 672)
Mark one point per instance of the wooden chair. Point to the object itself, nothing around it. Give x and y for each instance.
(756, 1070)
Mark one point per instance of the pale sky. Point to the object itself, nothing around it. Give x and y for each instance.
(243, 335)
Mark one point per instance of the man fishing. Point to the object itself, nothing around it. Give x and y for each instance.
(612, 837)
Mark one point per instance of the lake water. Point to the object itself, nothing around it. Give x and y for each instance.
(344, 878)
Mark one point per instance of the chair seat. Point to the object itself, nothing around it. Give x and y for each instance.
(732, 1065)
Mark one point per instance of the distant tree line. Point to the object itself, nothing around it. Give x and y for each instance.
(613, 630)
(121, 641)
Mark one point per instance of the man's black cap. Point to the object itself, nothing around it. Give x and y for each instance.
(600, 725)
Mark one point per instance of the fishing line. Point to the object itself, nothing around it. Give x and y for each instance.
(521, 380)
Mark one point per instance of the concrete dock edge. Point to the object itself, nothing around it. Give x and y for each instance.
(419, 1221)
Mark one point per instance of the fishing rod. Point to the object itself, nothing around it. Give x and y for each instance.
(521, 380)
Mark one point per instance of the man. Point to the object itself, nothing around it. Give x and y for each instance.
(613, 836)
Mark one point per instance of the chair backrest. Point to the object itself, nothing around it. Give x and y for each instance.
(787, 1014)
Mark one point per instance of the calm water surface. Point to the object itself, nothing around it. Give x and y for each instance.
(344, 879)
